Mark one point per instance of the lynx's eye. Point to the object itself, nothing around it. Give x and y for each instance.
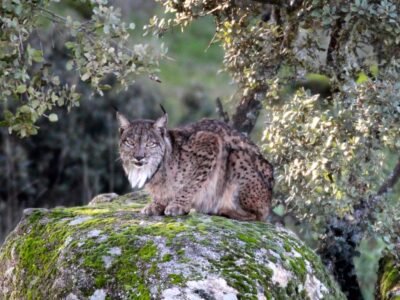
(129, 143)
(151, 144)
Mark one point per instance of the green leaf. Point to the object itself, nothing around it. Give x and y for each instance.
(106, 29)
(21, 89)
(314, 122)
(25, 109)
(4, 124)
(105, 87)
(69, 65)
(85, 76)
(53, 117)
(70, 45)
(362, 77)
(37, 56)
(55, 80)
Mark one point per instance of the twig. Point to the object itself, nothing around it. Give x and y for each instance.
(82, 27)
(211, 42)
(220, 111)
(42, 9)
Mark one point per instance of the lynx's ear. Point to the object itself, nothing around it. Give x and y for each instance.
(123, 122)
(162, 121)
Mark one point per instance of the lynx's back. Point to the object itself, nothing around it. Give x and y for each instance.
(206, 166)
(233, 140)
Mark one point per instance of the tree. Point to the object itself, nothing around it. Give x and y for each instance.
(328, 151)
(98, 47)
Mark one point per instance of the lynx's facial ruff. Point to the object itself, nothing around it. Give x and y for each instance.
(206, 166)
(142, 148)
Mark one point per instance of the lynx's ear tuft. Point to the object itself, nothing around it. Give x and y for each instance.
(162, 121)
(123, 122)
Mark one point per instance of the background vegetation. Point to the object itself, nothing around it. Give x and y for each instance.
(316, 84)
(69, 161)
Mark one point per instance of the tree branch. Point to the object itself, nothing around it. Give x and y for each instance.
(391, 180)
(273, 2)
(247, 112)
(333, 43)
(220, 111)
(282, 3)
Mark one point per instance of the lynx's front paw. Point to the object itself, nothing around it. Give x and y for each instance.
(176, 210)
(153, 209)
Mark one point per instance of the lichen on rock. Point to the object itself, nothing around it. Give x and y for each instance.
(110, 251)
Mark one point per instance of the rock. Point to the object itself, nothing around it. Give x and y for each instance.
(111, 251)
(103, 198)
(388, 287)
(29, 211)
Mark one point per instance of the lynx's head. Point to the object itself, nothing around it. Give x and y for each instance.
(142, 146)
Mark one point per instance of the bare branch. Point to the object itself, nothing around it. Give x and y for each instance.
(220, 111)
(334, 43)
(283, 3)
(391, 180)
(247, 113)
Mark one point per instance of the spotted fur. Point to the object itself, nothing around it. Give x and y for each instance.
(206, 166)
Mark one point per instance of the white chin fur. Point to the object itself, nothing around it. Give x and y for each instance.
(138, 176)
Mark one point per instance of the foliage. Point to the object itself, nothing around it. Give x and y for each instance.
(334, 151)
(97, 47)
(328, 149)
(328, 152)
(68, 162)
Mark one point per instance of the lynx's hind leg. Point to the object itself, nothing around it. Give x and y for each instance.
(238, 215)
(255, 198)
(254, 192)
(197, 190)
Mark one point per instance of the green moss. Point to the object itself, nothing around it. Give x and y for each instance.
(176, 278)
(390, 278)
(247, 238)
(97, 223)
(100, 280)
(86, 211)
(240, 282)
(303, 294)
(143, 293)
(268, 295)
(166, 257)
(35, 217)
(299, 268)
(273, 259)
(287, 246)
(38, 252)
(245, 277)
(148, 251)
(153, 269)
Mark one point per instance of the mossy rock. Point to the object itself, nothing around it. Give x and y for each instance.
(388, 287)
(108, 250)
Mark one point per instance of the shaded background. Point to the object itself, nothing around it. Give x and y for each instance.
(69, 162)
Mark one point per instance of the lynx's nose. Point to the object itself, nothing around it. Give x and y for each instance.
(139, 160)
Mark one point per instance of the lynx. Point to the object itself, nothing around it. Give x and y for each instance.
(206, 166)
